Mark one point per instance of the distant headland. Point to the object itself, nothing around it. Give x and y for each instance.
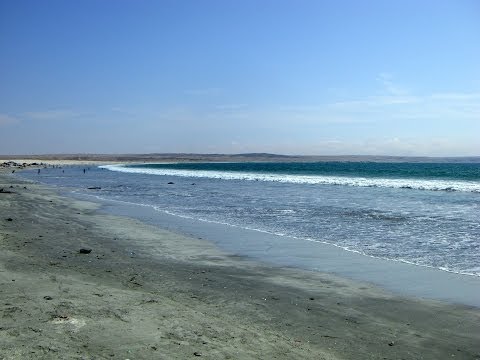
(247, 157)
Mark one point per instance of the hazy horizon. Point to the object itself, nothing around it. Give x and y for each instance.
(239, 157)
(283, 77)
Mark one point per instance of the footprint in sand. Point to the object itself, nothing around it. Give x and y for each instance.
(74, 323)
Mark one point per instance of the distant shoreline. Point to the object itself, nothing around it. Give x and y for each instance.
(248, 157)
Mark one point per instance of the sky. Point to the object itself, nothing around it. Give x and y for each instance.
(236, 76)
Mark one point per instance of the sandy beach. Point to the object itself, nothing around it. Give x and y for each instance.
(146, 293)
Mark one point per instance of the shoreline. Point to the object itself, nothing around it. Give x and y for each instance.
(399, 278)
(144, 292)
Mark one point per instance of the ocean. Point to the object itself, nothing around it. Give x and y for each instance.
(417, 213)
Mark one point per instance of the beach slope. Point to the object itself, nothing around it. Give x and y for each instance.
(76, 283)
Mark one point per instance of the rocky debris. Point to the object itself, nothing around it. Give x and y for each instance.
(94, 188)
(9, 219)
(48, 297)
(133, 280)
(197, 353)
(3, 191)
(16, 165)
(85, 251)
(170, 183)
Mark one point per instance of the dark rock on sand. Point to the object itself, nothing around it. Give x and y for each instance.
(9, 219)
(2, 191)
(85, 251)
(170, 183)
(94, 188)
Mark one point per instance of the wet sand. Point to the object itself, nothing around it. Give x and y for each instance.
(146, 293)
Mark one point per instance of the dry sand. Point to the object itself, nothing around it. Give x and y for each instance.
(145, 293)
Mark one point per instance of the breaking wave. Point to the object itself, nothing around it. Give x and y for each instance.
(400, 183)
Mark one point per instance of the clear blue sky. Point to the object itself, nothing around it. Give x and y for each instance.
(293, 77)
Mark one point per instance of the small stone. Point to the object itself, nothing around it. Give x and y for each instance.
(196, 353)
(391, 343)
(9, 219)
(170, 183)
(48, 297)
(85, 251)
(312, 298)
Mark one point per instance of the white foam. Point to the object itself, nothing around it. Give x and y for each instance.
(469, 272)
(419, 184)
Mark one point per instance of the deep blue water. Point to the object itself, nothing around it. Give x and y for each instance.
(425, 214)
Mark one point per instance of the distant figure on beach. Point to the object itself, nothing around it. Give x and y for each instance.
(84, 171)
(38, 172)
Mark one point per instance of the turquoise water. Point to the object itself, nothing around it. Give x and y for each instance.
(455, 171)
(422, 214)
(446, 177)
